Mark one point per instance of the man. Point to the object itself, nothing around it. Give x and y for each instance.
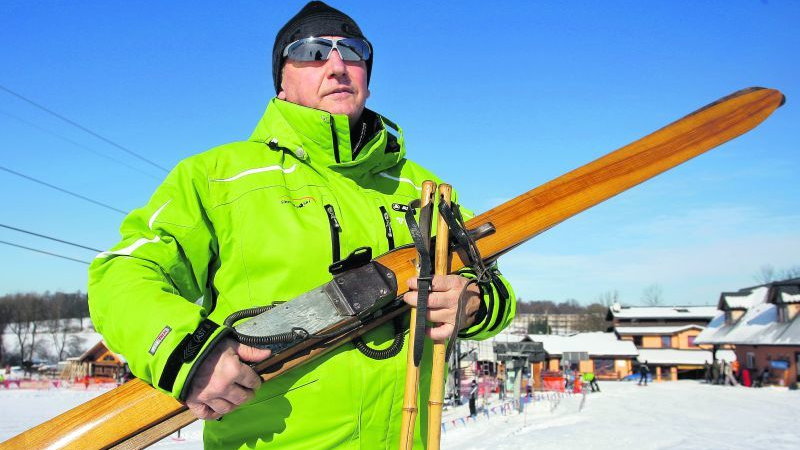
(644, 372)
(254, 222)
(590, 379)
(473, 399)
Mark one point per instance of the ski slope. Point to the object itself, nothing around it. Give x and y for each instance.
(683, 414)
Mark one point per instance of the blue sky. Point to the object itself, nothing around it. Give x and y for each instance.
(496, 97)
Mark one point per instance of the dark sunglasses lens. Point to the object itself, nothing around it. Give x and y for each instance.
(309, 50)
(353, 49)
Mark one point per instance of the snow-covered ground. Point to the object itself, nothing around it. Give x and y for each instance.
(683, 414)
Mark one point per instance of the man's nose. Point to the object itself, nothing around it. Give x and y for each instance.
(336, 64)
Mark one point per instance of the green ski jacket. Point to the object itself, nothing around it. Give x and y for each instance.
(254, 222)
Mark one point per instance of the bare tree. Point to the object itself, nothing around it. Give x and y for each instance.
(5, 317)
(790, 272)
(24, 323)
(58, 326)
(652, 295)
(768, 273)
(608, 298)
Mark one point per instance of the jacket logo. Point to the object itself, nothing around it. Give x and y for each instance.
(400, 207)
(159, 340)
(297, 202)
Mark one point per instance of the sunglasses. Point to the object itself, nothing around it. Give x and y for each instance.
(319, 49)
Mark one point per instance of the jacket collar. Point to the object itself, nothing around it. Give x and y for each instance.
(321, 138)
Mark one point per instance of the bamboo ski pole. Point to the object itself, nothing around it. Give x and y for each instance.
(412, 370)
(441, 267)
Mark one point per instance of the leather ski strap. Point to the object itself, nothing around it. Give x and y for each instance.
(425, 278)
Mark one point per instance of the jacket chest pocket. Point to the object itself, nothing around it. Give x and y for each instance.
(287, 246)
(392, 212)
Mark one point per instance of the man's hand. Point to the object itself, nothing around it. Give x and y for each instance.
(443, 303)
(223, 381)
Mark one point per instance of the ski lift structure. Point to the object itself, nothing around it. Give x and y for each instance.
(518, 356)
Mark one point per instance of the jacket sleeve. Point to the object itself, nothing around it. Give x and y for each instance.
(498, 305)
(149, 295)
(498, 301)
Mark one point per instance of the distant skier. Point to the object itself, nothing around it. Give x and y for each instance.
(591, 380)
(763, 377)
(729, 378)
(644, 371)
(707, 372)
(473, 397)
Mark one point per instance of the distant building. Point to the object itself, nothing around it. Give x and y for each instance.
(762, 323)
(99, 363)
(604, 355)
(666, 338)
(561, 324)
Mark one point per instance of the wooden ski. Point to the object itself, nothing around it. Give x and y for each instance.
(135, 415)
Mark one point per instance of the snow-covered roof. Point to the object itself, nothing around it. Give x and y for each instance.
(662, 312)
(99, 346)
(789, 294)
(676, 356)
(743, 299)
(759, 324)
(596, 344)
(655, 330)
(484, 350)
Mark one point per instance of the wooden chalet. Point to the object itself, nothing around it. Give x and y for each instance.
(98, 363)
(666, 338)
(762, 323)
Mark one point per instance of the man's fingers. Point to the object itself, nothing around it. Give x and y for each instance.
(251, 354)
(441, 331)
(441, 316)
(436, 300)
(248, 378)
(201, 411)
(238, 395)
(220, 405)
(440, 283)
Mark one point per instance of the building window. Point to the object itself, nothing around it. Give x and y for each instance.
(782, 313)
(690, 340)
(750, 360)
(666, 341)
(637, 341)
(603, 367)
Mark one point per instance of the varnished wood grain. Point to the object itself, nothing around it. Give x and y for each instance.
(441, 267)
(410, 401)
(128, 410)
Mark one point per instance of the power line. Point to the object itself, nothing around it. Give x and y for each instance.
(48, 237)
(75, 124)
(46, 253)
(62, 190)
(64, 138)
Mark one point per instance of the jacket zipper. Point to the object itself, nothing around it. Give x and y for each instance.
(335, 139)
(387, 222)
(336, 229)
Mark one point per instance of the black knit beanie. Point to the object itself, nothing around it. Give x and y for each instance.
(315, 19)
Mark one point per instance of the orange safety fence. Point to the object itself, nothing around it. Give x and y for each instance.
(553, 383)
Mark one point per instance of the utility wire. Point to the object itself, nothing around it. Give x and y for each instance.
(48, 237)
(62, 190)
(75, 124)
(46, 253)
(64, 138)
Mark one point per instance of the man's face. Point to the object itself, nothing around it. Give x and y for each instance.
(332, 85)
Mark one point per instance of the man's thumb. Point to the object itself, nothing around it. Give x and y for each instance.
(252, 354)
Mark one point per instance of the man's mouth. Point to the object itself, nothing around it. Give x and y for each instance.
(342, 90)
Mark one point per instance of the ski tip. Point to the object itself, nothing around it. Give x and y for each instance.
(759, 88)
